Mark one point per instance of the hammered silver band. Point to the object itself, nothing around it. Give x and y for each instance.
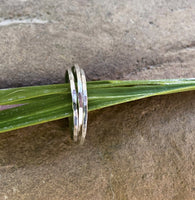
(79, 101)
(77, 71)
(85, 107)
(70, 77)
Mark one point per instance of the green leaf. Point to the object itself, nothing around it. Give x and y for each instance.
(51, 102)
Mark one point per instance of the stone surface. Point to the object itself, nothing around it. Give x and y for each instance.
(138, 150)
(112, 40)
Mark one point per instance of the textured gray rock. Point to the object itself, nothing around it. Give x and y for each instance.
(112, 40)
(139, 150)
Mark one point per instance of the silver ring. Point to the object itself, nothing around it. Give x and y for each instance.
(85, 107)
(80, 110)
(77, 71)
(69, 75)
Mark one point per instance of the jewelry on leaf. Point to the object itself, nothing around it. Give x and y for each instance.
(79, 101)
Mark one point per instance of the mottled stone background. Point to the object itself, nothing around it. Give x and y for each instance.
(139, 150)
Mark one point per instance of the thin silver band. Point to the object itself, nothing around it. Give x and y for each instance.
(85, 107)
(69, 75)
(77, 71)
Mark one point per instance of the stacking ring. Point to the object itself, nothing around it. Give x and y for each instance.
(79, 101)
(85, 107)
(77, 73)
(69, 76)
